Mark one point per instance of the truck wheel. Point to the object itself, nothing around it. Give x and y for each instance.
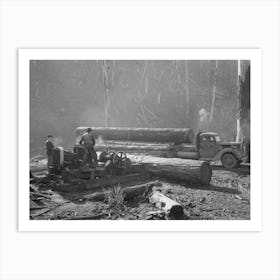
(229, 161)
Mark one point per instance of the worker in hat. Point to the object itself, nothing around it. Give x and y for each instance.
(50, 148)
(88, 142)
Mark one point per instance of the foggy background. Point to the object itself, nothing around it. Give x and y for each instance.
(68, 94)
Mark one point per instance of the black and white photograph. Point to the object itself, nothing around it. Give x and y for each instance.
(140, 139)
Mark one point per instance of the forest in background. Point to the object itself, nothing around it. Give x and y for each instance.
(163, 93)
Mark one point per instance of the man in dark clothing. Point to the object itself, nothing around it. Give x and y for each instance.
(50, 148)
(88, 143)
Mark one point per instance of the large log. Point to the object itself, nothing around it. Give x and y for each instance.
(128, 192)
(103, 183)
(159, 149)
(158, 135)
(155, 149)
(172, 208)
(175, 168)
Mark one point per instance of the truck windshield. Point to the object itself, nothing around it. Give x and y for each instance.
(218, 138)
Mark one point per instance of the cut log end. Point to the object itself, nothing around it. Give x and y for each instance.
(172, 208)
(176, 211)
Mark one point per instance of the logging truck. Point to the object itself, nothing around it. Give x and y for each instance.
(208, 146)
(169, 142)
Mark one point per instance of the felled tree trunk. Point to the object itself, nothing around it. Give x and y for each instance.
(156, 135)
(172, 208)
(163, 150)
(128, 192)
(143, 190)
(79, 185)
(174, 168)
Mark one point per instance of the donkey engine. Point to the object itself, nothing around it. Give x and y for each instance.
(114, 162)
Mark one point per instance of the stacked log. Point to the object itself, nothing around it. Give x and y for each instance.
(155, 135)
(155, 149)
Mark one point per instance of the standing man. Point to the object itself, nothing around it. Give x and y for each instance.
(50, 148)
(88, 142)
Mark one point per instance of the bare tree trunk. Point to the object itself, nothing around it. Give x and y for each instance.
(213, 87)
(113, 72)
(243, 101)
(142, 92)
(187, 91)
(107, 108)
(238, 115)
(107, 97)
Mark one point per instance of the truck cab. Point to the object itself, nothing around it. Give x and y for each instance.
(209, 146)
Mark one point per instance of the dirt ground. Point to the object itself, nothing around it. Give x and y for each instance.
(226, 198)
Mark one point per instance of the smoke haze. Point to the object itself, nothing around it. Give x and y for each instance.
(68, 94)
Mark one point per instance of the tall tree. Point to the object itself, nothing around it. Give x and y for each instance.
(107, 78)
(214, 70)
(243, 100)
(187, 91)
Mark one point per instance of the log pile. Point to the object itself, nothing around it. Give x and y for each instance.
(154, 149)
(155, 135)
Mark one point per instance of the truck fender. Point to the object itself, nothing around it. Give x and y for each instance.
(227, 150)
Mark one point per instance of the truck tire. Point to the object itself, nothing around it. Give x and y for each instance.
(229, 161)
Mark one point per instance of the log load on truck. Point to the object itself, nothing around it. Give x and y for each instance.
(154, 135)
(180, 143)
